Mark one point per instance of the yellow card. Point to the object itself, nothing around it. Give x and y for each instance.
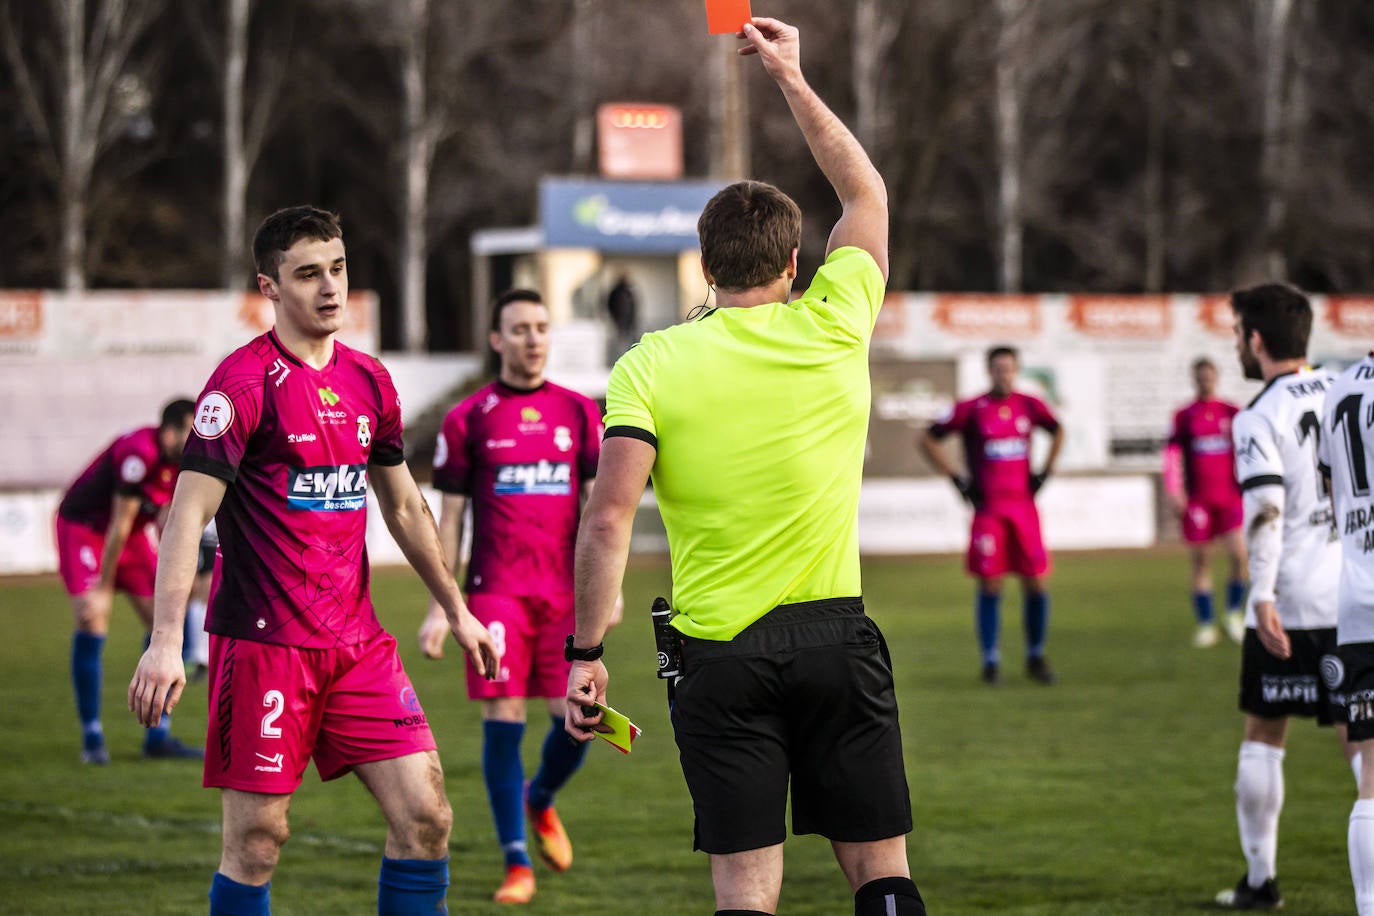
(623, 733)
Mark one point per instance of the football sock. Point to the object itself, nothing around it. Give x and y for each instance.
(1361, 841)
(229, 898)
(1259, 799)
(505, 778)
(197, 641)
(86, 677)
(158, 733)
(889, 897)
(989, 614)
(412, 887)
(1037, 618)
(1235, 595)
(1202, 607)
(559, 759)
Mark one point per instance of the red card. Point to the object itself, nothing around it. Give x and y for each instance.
(726, 17)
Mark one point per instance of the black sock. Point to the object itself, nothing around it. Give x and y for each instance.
(878, 897)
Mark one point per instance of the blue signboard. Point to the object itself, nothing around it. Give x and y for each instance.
(623, 216)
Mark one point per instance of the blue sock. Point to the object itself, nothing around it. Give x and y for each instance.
(412, 887)
(1202, 607)
(989, 619)
(86, 678)
(158, 733)
(229, 898)
(505, 777)
(1037, 620)
(1235, 595)
(559, 759)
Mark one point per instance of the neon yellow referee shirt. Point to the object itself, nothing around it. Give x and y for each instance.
(759, 416)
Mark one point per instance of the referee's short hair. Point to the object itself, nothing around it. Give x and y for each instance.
(748, 232)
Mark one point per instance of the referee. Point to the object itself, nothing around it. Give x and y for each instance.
(751, 421)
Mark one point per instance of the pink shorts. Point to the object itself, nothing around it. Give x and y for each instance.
(529, 632)
(273, 708)
(1006, 538)
(78, 559)
(1204, 521)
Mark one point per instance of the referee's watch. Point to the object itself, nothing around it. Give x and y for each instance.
(573, 654)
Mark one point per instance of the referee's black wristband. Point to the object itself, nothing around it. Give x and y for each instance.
(573, 654)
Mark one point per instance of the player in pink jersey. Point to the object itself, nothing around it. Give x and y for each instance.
(996, 431)
(1200, 481)
(107, 542)
(522, 451)
(289, 435)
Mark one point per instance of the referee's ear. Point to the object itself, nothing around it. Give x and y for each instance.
(791, 270)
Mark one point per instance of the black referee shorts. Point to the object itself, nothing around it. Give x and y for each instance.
(805, 692)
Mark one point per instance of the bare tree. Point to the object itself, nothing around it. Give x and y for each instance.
(87, 118)
(1156, 115)
(250, 108)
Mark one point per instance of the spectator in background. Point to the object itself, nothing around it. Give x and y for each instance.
(1200, 481)
(623, 308)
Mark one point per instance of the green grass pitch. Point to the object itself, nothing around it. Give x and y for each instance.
(1109, 793)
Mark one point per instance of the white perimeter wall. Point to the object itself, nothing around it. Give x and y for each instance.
(895, 517)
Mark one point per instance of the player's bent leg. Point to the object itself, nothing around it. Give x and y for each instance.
(1036, 621)
(559, 758)
(255, 829)
(750, 880)
(1259, 802)
(1360, 836)
(87, 670)
(988, 623)
(503, 772)
(410, 791)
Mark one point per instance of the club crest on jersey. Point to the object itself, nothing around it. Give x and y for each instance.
(1023, 425)
(562, 438)
(327, 488)
(541, 478)
(364, 431)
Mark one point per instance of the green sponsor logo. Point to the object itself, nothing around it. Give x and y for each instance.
(328, 398)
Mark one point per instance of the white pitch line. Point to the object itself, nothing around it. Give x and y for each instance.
(165, 824)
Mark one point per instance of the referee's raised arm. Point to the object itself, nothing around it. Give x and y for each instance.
(863, 196)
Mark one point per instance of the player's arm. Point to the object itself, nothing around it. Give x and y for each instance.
(160, 676)
(123, 511)
(1263, 497)
(603, 547)
(410, 522)
(1056, 446)
(1171, 475)
(863, 195)
(434, 630)
(618, 612)
(929, 443)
